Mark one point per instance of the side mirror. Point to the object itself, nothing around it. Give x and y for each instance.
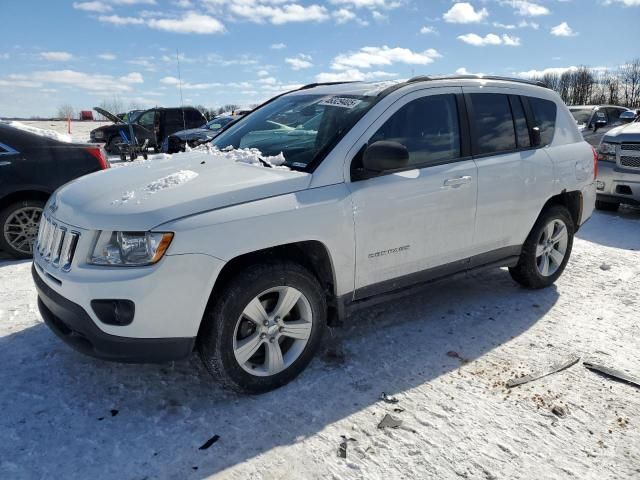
(536, 137)
(381, 156)
(601, 122)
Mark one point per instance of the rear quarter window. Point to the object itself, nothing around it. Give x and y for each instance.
(544, 115)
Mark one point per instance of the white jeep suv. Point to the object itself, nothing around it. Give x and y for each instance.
(247, 248)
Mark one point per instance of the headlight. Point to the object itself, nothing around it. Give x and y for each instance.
(98, 134)
(607, 151)
(129, 249)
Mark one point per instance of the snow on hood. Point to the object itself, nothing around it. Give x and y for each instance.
(624, 133)
(148, 193)
(61, 137)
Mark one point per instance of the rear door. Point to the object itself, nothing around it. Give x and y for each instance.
(409, 222)
(146, 127)
(513, 177)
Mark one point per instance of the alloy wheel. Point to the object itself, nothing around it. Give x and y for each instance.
(21, 229)
(272, 331)
(552, 247)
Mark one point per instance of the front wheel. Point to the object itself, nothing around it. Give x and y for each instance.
(546, 251)
(264, 327)
(19, 223)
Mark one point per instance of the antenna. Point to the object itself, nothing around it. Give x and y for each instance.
(184, 123)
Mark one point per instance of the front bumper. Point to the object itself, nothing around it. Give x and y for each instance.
(73, 325)
(618, 184)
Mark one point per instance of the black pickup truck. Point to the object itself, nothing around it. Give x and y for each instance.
(32, 167)
(152, 126)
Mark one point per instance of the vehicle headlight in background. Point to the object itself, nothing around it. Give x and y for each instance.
(129, 249)
(607, 152)
(98, 134)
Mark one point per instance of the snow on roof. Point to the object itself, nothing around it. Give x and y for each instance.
(61, 137)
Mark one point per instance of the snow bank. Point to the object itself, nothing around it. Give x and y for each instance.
(170, 181)
(61, 137)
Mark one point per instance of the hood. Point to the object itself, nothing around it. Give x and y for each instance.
(624, 133)
(195, 133)
(144, 195)
(107, 114)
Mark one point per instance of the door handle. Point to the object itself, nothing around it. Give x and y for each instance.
(457, 181)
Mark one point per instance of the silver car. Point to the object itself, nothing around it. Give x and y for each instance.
(619, 167)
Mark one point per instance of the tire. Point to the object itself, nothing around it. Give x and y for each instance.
(607, 206)
(226, 327)
(19, 223)
(113, 145)
(539, 250)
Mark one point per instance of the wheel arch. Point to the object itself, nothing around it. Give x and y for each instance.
(311, 254)
(23, 195)
(572, 201)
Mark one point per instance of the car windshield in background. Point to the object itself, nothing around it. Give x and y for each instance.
(301, 127)
(582, 115)
(218, 123)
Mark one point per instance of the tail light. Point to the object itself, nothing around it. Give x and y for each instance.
(99, 154)
(595, 163)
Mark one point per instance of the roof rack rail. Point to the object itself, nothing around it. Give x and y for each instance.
(426, 78)
(320, 84)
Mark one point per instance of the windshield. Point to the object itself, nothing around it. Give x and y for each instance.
(581, 115)
(301, 127)
(218, 123)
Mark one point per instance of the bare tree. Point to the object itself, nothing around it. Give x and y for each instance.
(630, 77)
(66, 111)
(113, 105)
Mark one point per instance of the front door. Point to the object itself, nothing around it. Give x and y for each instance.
(409, 222)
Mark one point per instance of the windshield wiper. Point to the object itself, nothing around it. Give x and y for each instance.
(264, 162)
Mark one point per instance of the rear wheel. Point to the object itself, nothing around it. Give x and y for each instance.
(20, 222)
(546, 251)
(264, 328)
(113, 146)
(607, 206)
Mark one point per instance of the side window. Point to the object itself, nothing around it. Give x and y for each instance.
(614, 116)
(428, 127)
(544, 113)
(494, 130)
(147, 119)
(520, 122)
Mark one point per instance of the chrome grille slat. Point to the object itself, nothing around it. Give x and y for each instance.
(56, 243)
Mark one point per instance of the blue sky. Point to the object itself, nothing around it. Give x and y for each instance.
(245, 51)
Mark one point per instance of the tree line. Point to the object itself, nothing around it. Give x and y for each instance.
(595, 86)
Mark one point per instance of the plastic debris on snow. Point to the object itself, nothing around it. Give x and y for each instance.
(61, 137)
(170, 181)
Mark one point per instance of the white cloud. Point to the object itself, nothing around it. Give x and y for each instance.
(489, 39)
(85, 81)
(118, 20)
(4, 56)
(277, 46)
(465, 13)
(344, 15)
(521, 24)
(525, 8)
(183, 3)
(386, 4)
(92, 6)
(626, 3)
(352, 75)
(173, 81)
(426, 30)
(554, 71)
(261, 11)
(56, 56)
(300, 62)
(263, 73)
(191, 22)
(368, 57)
(563, 30)
(133, 2)
(107, 56)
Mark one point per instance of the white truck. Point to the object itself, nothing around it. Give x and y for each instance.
(247, 249)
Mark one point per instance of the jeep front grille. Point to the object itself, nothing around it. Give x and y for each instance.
(56, 243)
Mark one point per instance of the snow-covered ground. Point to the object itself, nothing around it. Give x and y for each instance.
(65, 415)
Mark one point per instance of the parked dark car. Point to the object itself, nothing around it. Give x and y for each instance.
(195, 136)
(596, 120)
(152, 125)
(31, 168)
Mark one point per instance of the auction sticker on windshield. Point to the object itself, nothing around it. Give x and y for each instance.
(343, 102)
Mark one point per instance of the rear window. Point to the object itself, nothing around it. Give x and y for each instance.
(544, 114)
(493, 123)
